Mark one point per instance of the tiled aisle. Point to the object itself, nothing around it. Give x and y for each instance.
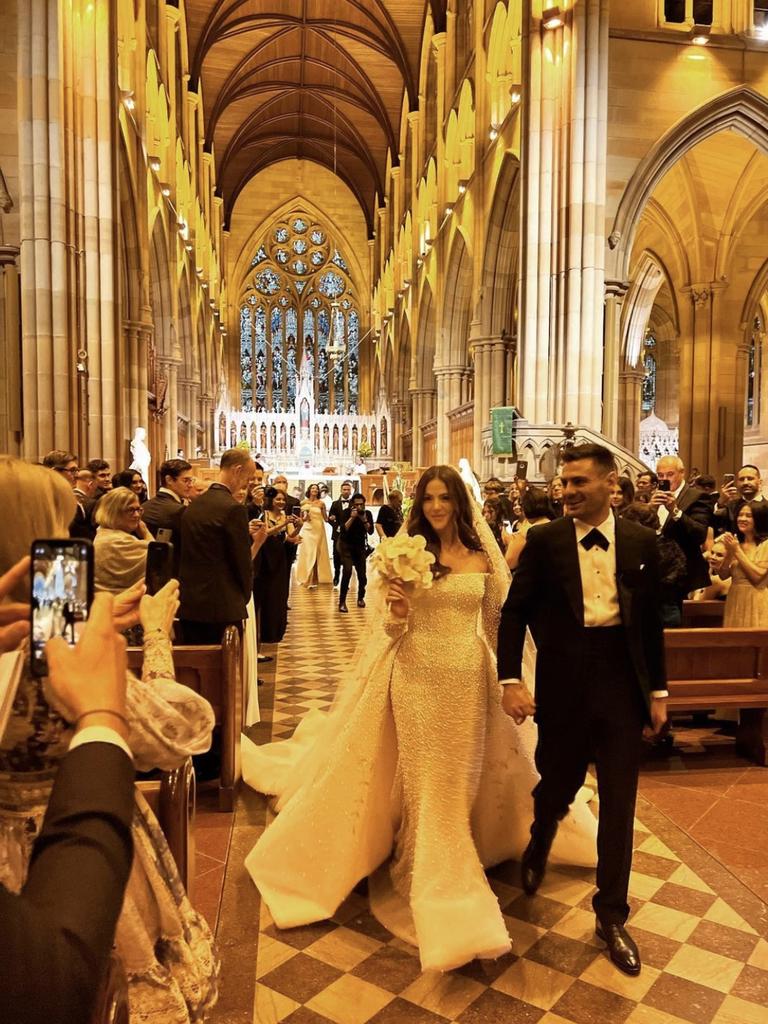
(701, 932)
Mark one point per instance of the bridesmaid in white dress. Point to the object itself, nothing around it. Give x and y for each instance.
(416, 777)
(313, 565)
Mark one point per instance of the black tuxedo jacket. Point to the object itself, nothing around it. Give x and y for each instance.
(163, 512)
(215, 570)
(56, 937)
(690, 532)
(83, 525)
(546, 595)
(336, 510)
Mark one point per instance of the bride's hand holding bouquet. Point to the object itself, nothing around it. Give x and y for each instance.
(406, 565)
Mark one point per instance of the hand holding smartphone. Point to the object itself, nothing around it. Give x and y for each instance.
(62, 592)
(159, 565)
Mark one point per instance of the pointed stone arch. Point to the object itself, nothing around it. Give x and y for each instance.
(502, 253)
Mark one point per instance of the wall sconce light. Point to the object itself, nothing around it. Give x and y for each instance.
(419, 262)
(154, 163)
(407, 283)
(199, 271)
(400, 295)
(189, 247)
(448, 210)
(493, 134)
(165, 189)
(183, 227)
(212, 303)
(204, 285)
(515, 94)
(463, 186)
(700, 34)
(126, 95)
(552, 18)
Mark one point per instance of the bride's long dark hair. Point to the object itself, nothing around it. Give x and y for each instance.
(457, 491)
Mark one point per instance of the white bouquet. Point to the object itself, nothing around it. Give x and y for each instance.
(406, 559)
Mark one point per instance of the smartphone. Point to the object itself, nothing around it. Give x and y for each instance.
(159, 565)
(164, 535)
(664, 485)
(62, 592)
(728, 478)
(522, 469)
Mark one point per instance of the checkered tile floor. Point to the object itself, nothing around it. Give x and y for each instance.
(705, 962)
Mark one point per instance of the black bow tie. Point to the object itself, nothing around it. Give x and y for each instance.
(594, 537)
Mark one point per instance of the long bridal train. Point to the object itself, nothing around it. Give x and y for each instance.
(416, 779)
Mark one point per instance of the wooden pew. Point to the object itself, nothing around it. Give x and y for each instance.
(722, 668)
(172, 798)
(702, 614)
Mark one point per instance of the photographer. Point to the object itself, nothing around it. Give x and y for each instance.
(736, 491)
(57, 933)
(355, 525)
(684, 515)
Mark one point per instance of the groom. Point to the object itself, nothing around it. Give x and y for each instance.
(587, 586)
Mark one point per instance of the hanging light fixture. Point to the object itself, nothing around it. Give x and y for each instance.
(337, 348)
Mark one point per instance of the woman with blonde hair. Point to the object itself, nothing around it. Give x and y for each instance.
(120, 547)
(165, 946)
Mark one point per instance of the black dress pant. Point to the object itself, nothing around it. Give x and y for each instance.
(336, 558)
(352, 557)
(603, 724)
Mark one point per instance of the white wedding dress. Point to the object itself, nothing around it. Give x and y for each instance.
(416, 777)
(313, 550)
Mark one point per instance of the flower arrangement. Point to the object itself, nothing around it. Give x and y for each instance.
(364, 450)
(406, 559)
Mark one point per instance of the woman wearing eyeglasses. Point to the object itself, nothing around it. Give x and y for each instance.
(122, 538)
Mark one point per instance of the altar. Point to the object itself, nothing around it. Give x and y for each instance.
(304, 440)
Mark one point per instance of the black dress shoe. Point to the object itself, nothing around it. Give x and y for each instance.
(361, 603)
(621, 946)
(335, 581)
(343, 607)
(534, 862)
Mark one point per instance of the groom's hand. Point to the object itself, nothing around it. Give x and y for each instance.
(518, 702)
(658, 718)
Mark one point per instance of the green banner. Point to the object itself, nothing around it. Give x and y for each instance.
(502, 425)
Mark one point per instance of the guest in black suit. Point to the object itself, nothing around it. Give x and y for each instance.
(164, 511)
(57, 934)
(102, 474)
(65, 464)
(355, 525)
(587, 585)
(215, 571)
(334, 517)
(83, 524)
(685, 514)
(746, 488)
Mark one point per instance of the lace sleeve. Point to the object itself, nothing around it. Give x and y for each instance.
(168, 721)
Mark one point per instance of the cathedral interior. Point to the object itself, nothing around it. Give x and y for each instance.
(343, 231)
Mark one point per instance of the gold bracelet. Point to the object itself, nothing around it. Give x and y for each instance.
(103, 711)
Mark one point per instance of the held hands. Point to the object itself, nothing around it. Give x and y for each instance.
(398, 599)
(518, 702)
(159, 610)
(87, 682)
(144, 532)
(14, 617)
(658, 718)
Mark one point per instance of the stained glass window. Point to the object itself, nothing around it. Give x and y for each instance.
(291, 334)
(260, 325)
(323, 336)
(315, 303)
(353, 347)
(246, 359)
(277, 360)
(281, 256)
(338, 259)
(300, 226)
(308, 350)
(317, 258)
(300, 286)
(260, 256)
(649, 383)
(268, 282)
(299, 246)
(331, 284)
(282, 235)
(754, 373)
(317, 237)
(299, 267)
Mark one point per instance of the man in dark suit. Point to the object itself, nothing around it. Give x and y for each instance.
(745, 488)
(57, 934)
(216, 572)
(685, 514)
(355, 526)
(164, 511)
(334, 517)
(587, 585)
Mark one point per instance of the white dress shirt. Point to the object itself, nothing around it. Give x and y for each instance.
(99, 734)
(663, 512)
(598, 575)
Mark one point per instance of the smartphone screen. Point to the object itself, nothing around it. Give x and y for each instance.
(664, 485)
(62, 591)
(159, 565)
(728, 479)
(164, 535)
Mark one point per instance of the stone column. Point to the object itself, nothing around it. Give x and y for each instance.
(563, 213)
(11, 423)
(449, 383)
(615, 291)
(629, 407)
(66, 80)
(423, 406)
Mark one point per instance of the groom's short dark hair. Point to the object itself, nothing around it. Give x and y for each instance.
(598, 453)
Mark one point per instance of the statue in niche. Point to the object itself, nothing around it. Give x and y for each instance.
(282, 438)
(317, 437)
(373, 440)
(304, 417)
(383, 436)
(345, 437)
(273, 436)
(326, 437)
(263, 437)
(140, 455)
(233, 434)
(254, 443)
(222, 431)
(292, 436)
(336, 438)
(354, 439)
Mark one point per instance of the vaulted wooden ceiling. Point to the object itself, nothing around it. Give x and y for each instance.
(321, 80)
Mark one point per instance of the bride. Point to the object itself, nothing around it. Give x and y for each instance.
(416, 779)
(313, 565)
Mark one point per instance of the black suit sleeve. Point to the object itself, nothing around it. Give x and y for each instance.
(693, 523)
(519, 608)
(653, 627)
(56, 936)
(238, 541)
